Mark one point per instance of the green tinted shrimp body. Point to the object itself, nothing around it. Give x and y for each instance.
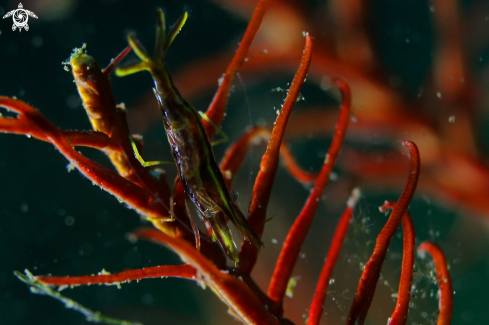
(191, 147)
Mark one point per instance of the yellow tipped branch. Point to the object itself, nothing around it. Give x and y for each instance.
(141, 53)
(163, 42)
(175, 30)
(138, 48)
(160, 50)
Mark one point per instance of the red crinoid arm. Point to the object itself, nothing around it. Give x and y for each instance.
(110, 181)
(316, 309)
(371, 272)
(293, 168)
(217, 108)
(114, 62)
(92, 139)
(235, 155)
(269, 163)
(298, 231)
(399, 316)
(234, 292)
(444, 281)
(176, 271)
(21, 125)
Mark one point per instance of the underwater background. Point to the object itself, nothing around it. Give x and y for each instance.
(56, 222)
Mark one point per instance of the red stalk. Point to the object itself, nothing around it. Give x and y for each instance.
(217, 108)
(234, 292)
(371, 272)
(108, 180)
(298, 232)
(176, 271)
(444, 281)
(269, 163)
(399, 316)
(114, 62)
(317, 305)
(91, 139)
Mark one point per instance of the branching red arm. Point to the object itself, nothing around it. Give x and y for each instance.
(399, 316)
(235, 293)
(371, 272)
(92, 139)
(108, 180)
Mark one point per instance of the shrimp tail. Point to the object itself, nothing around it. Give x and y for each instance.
(224, 236)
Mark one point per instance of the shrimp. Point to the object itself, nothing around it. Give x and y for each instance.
(191, 146)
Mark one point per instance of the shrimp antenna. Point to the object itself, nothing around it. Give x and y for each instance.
(163, 42)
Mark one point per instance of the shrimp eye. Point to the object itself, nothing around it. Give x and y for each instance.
(234, 196)
(208, 213)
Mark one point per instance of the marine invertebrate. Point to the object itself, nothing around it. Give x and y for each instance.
(276, 150)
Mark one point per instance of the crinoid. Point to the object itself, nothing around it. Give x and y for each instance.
(207, 251)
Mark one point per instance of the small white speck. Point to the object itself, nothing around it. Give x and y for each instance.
(70, 167)
(220, 80)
